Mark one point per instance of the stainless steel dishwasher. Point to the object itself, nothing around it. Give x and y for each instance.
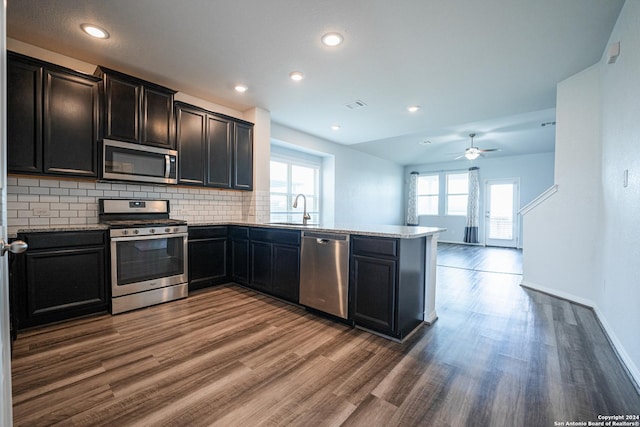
(324, 272)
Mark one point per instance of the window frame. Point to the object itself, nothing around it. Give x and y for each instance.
(448, 194)
(436, 194)
(296, 158)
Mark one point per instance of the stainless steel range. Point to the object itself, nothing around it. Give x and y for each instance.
(149, 256)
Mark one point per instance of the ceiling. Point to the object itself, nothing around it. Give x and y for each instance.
(488, 67)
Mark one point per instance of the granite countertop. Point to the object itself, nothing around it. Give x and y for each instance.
(55, 228)
(394, 231)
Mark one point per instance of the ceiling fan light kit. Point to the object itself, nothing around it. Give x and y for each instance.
(472, 152)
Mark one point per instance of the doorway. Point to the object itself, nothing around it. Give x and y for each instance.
(502, 198)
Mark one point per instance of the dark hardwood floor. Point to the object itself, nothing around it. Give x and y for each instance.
(499, 355)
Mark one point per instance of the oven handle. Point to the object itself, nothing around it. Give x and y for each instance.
(148, 237)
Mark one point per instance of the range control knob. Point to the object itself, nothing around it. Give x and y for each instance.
(167, 230)
(153, 230)
(125, 232)
(136, 231)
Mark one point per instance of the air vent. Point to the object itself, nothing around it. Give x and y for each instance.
(355, 105)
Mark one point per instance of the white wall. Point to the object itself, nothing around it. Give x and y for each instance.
(619, 294)
(367, 189)
(582, 243)
(535, 172)
(561, 234)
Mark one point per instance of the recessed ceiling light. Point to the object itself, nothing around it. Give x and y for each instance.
(296, 76)
(241, 88)
(335, 127)
(95, 31)
(413, 108)
(332, 39)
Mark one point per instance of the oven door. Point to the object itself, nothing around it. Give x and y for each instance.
(143, 263)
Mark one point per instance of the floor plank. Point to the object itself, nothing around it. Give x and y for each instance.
(498, 355)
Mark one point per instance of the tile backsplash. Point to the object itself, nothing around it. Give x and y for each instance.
(36, 202)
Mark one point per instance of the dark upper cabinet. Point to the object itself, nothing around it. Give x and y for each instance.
(52, 119)
(213, 150)
(243, 157)
(136, 110)
(218, 152)
(63, 275)
(190, 134)
(24, 116)
(70, 124)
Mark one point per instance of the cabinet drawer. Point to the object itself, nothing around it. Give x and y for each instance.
(206, 232)
(374, 246)
(47, 240)
(287, 237)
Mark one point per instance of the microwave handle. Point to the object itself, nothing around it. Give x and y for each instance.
(167, 165)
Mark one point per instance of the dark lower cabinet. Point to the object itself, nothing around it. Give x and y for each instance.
(275, 262)
(387, 284)
(52, 119)
(239, 250)
(61, 276)
(207, 256)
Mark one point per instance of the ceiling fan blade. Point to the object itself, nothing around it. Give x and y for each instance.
(490, 149)
(459, 157)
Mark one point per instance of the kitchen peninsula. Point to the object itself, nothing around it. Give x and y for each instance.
(392, 275)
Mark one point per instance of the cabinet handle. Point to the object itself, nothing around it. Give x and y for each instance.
(16, 247)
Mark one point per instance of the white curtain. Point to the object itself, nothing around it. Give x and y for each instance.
(473, 206)
(412, 202)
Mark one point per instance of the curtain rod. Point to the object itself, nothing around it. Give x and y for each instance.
(441, 170)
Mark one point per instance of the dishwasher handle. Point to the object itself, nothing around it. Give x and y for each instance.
(324, 238)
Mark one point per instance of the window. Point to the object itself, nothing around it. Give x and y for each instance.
(428, 193)
(293, 173)
(457, 193)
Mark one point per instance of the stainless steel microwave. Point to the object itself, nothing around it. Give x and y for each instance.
(141, 163)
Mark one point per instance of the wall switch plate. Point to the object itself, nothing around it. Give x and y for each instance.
(625, 178)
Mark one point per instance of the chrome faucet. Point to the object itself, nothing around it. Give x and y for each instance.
(305, 216)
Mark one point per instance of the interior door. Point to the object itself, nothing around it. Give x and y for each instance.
(6, 418)
(501, 212)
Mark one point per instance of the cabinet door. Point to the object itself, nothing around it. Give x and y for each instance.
(243, 157)
(373, 282)
(61, 284)
(218, 152)
(190, 135)
(122, 109)
(157, 123)
(207, 262)
(261, 271)
(286, 272)
(24, 117)
(240, 261)
(70, 124)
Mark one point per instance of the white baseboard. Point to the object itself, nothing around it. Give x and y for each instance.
(631, 367)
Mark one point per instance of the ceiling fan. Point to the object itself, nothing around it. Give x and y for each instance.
(472, 152)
